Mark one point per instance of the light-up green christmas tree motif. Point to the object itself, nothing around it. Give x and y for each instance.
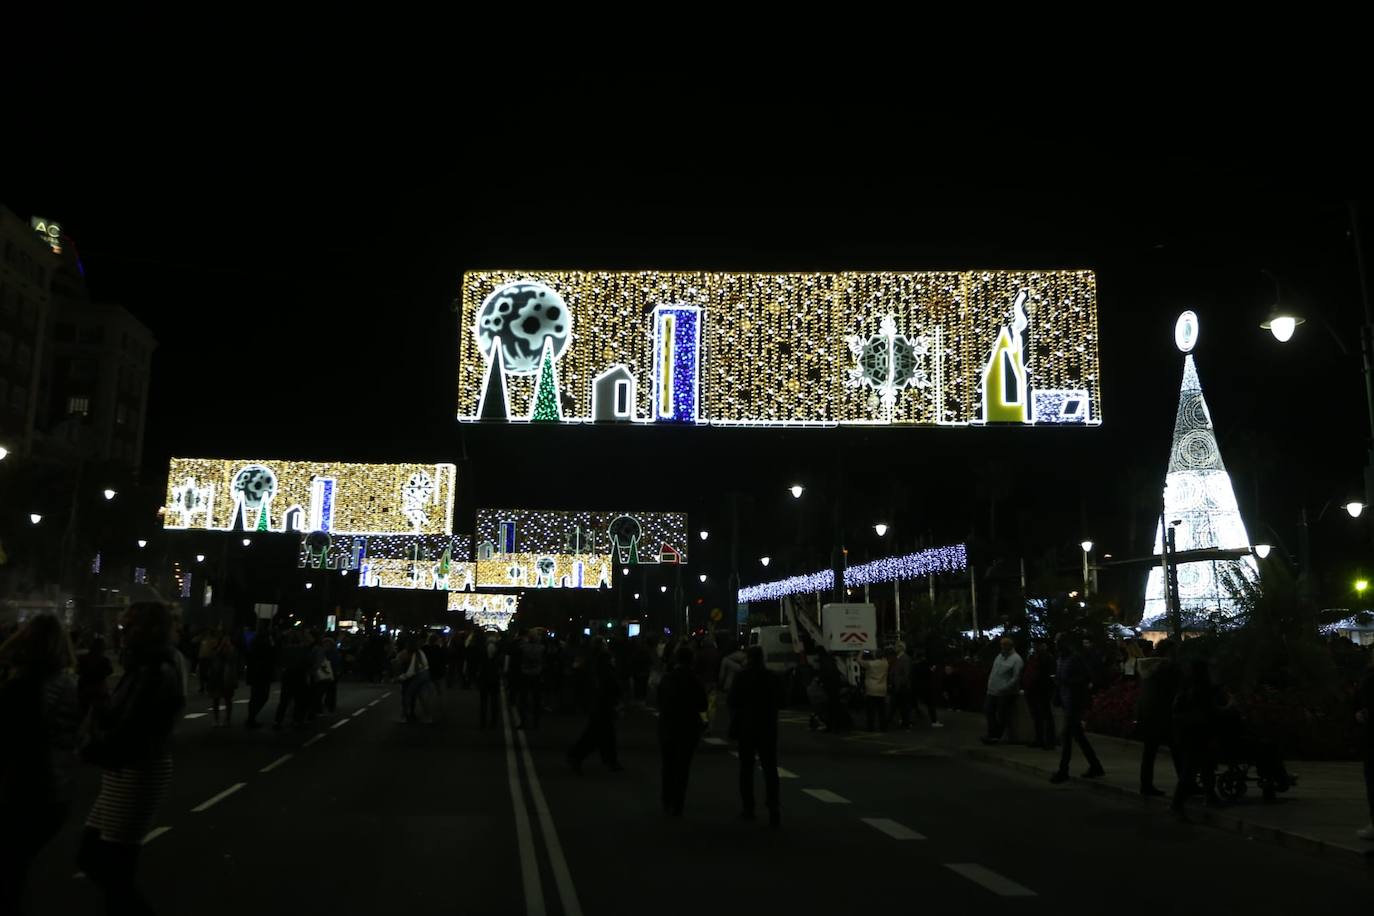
(547, 409)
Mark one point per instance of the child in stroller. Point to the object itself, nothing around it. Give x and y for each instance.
(1239, 749)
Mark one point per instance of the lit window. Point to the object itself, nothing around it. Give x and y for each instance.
(78, 406)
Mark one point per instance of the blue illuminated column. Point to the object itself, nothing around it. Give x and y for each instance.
(677, 351)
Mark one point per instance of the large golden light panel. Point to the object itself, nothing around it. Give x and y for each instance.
(342, 498)
(774, 348)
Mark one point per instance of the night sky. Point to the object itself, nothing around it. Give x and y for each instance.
(326, 260)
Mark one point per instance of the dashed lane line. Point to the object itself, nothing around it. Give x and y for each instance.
(385, 695)
(892, 828)
(154, 834)
(211, 802)
(196, 715)
(341, 723)
(783, 773)
(717, 742)
(988, 879)
(825, 795)
(276, 763)
(360, 712)
(319, 737)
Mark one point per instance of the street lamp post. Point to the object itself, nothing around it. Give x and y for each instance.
(1087, 556)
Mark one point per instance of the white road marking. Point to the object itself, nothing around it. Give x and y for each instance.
(197, 715)
(718, 742)
(385, 695)
(782, 773)
(561, 875)
(989, 879)
(341, 723)
(154, 834)
(374, 703)
(240, 701)
(276, 763)
(825, 795)
(206, 805)
(360, 712)
(529, 866)
(311, 741)
(892, 828)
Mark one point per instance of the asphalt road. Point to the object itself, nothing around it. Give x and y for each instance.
(363, 814)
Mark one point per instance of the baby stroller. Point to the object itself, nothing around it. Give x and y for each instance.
(1248, 758)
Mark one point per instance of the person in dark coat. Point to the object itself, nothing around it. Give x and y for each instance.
(485, 672)
(261, 668)
(604, 694)
(1366, 718)
(754, 700)
(1158, 678)
(1038, 682)
(681, 703)
(93, 672)
(130, 740)
(295, 680)
(1073, 684)
(38, 706)
(1195, 712)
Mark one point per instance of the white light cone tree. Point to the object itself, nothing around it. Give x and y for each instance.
(1198, 493)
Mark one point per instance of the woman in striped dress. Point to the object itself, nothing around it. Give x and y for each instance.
(131, 740)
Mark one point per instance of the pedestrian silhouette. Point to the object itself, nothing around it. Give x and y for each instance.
(754, 700)
(681, 705)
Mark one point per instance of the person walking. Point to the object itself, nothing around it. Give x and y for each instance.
(93, 670)
(414, 679)
(1073, 688)
(329, 699)
(295, 680)
(899, 678)
(681, 706)
(130, 739)
(222, 680)
(38, 706)
(604, 690)
(1194, 724)
(875, 690)
(1158, 676)
(1037, 680)
(261, 667)
(1004, 686)
(209, 642)
(486, 674)
(1365, 717)
(531, 661)
(322, 675)
(754, 700)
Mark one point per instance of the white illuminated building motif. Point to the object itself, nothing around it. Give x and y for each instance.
(887, 362)
(1198, 495)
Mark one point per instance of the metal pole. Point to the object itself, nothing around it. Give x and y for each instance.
(1366, 346)
(1085, 575)
(897, 604)
(973, 597)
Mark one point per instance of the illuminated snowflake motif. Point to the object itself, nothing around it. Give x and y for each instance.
(417, 493)
(888, 361)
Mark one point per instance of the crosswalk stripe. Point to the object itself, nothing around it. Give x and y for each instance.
(989, 879)
(825, 795)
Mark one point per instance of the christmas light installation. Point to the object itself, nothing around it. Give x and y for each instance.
(301, 496)
(813, 349)
(1198, 494)
(632, 536)
(933, 561)
(544, 570)
(432, 561)
(494, 611)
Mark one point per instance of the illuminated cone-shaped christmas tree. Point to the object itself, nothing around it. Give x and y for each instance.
(1198, 494)
(547, 408)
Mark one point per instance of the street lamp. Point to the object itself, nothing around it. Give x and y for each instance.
(1262, 550)
(1087, 553)
(246, 542)
(702, 577)
(4, 453)
(797, 490)
(110, 494)
(1354, 507)
(663, 588)
(35, 518)
(764, 560)
(200, 558)
(309, 585)
(142, 543)
(1282, 321)
(881, 529)
(705, 535)
(1361, 585)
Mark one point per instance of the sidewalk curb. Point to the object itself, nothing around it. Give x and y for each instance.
(1227, 822)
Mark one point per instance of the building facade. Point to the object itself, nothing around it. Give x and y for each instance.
(26, 274)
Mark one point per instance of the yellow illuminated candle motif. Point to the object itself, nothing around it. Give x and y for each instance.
(665, 369)
(1005, 394)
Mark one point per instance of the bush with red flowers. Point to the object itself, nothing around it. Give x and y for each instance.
(1112, 711)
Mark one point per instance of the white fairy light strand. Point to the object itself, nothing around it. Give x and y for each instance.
(953, 558)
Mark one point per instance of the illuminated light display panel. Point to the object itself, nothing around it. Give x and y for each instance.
(268, 495)
(627, 537)
(932, 561)
(493, 611)
(807, 349)
(544, 570)
(415, 561)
